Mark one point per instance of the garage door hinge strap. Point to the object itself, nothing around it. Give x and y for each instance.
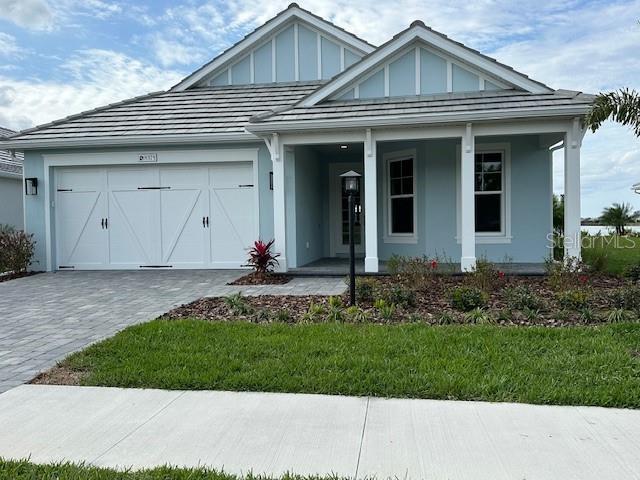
(65, 190)
(247, 185)
(65, 266)
(156, 266)
(154, 188)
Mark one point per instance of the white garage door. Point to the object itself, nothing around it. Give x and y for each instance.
(155, 216)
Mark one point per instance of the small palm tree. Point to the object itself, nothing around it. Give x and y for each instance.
(622, 106)
(618, 215)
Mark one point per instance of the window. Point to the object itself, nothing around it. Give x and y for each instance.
(401, 197)
(489, 169)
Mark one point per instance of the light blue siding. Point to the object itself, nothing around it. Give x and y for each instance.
(311, 193)
(34, 209)
(222, 79)
(490, 86)
(330, 58)
(307, 53)
(285, 65)
(262, 69)
(350, 58)
(463, 80)
(241, 72)
(433, 73)
(11, 209)
(373, 87)
(348, 95)
(402, 75)
(437, 201)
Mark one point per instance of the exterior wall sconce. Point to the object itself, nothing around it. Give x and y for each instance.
(270, 180)
(31, 186)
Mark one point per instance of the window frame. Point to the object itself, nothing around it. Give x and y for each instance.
(389, 235)
(504, 235)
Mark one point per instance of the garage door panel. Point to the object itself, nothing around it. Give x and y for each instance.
(81, 238)
(134, 228)
(232, 226)
(183, 227)
(231, 175)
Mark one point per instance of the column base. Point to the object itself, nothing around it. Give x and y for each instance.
(282, 266)
(468, 264)
(371, 265)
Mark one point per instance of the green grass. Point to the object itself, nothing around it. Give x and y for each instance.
(574, 366)
(620, 252)
(24, 470)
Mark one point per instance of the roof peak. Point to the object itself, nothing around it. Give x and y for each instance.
(417, 23)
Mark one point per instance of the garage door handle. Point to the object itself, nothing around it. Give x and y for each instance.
(102, 223)
(207, 222)
(203, 222)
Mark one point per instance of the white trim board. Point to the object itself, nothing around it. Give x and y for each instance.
(504, 236)
(287, 16)
(449, 47)
(387, 236)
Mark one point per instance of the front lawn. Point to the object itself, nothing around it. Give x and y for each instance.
(619, 252)
(23, 470)
(596, 365)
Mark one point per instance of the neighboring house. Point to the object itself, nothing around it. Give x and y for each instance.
(11, 211)
(453, 146)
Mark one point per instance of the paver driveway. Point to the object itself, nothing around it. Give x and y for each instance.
(45, 317)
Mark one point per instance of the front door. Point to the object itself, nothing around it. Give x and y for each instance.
(340, 213)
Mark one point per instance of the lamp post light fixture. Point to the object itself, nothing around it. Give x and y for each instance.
(351, 188)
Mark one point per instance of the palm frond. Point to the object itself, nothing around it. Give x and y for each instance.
(622, 106)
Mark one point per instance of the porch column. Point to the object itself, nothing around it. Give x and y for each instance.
(370, 204)
(467, 202)
(572, 144)
(279, 212)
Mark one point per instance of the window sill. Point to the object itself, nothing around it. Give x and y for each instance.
(489, 239)
(400, 239)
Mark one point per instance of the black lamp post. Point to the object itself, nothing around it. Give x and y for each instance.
(351, 187)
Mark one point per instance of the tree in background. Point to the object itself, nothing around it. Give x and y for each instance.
(622, 106)
(618, 215)
(558, 213)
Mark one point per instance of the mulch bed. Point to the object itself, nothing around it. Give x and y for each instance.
(5, 277)
(431, 299)
(261, 279)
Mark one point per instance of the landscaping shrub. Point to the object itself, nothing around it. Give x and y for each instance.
(356, 314)
(261, 258)
(627, 297)
(484, 276)
(465, 298)
(385, 309)
(415, 271)
(401, 295)
(632, 272)
(478, 316)
(237, 304)
(315, 313)
(573, 299)
(365, 289)
(16, 250)
(564, 275)
(521, 297)
(596, 258)
(618, 315)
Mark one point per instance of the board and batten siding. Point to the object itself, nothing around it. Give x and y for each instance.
(417, 70)
(296, 53)
(11, 212)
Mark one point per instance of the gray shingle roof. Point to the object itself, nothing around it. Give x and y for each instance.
(426, 106)
(9, 163)
(211, 110)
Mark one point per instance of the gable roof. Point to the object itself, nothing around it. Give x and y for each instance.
(448, 107)
(196, 115)
(419, 32)
(293, 11)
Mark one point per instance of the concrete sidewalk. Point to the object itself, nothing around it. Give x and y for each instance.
(316, 434)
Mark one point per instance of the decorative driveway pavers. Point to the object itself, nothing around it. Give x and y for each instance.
(45, 317)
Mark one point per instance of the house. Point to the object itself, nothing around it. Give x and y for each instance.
(11, 212)
(454, 149)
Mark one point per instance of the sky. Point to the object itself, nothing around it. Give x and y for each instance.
(60, 57)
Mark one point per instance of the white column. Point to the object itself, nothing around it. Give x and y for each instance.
(279, 209)
(572, 144)
(467, 202)
(370, 204)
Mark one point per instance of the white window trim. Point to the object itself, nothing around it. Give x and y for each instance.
(490, 237)
(400, 238)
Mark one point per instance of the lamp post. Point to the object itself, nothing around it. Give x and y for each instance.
(351, 188)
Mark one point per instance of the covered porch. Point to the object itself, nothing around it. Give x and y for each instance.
(438, 209)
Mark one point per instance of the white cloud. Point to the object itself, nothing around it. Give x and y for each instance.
(9, 46)
(31, 14)
(98, 77)
(171, 53)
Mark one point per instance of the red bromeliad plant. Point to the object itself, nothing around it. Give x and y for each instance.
(261, 258)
